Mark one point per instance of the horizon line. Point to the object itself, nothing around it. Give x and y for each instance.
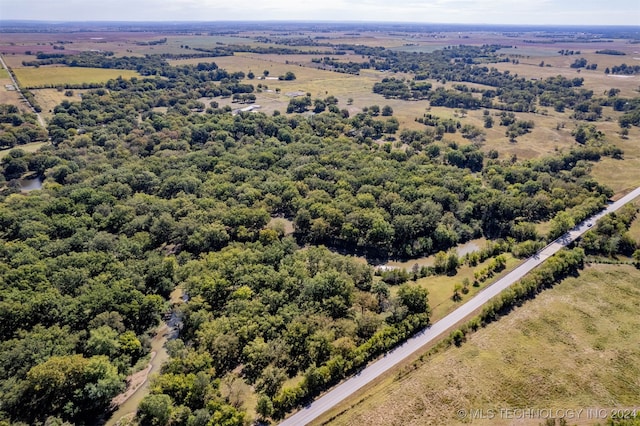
(302, 21)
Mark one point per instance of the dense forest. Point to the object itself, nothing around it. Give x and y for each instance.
(19, 129)
(146, 187)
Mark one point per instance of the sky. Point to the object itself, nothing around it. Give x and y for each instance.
(517, 12)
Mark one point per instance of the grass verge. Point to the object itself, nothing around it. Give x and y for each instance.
(574, 346)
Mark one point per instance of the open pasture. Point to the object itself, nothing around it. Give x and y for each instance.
(574, 346)
(53, 76)
(620, 175)
(15, 61)
(552, 129)
(318, 83)
(33, 49)
(8, 94)
(11, 97)
(28, 147)
(73, 42)
(50, 98)
(595, 80)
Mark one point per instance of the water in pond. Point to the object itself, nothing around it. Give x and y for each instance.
(30, 184)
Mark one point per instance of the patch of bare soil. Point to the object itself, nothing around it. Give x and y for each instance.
(134, 382)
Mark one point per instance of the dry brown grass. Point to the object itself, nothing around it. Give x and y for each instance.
(50, 98)
(574, 346)
(318, 83)
(620, 175)
(15, 61)
(10, 97)
(47, 76)
(121, 43)
(546, 138)
(596, 80)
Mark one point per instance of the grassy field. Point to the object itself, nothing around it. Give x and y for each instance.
(545, 138)
(15, 61)
(620, 175)
(596, 80)
(45, 76)
(574, 346)
(28, 147)
(50, 98)
(11, 97)
(318, 83)
(552, 130)
(441, 287)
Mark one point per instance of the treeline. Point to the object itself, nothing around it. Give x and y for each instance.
(610, 52)
(187, 77)
(447, 263)
(419, 63)
(265, 50)
(452, 98)
(272, 310)
(339, 66)
(426, 64)
(510, 94)
(30, 97)
(440, 126)
(563, 264)
(68, 86)
(582, 63)
(393, 88)
(152, 42)
(18, 128)
(290, 41)
(147, 65)
(623, 69)
(631, 109)
(609, 236)
(466, 64)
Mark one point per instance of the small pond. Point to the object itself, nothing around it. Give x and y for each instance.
(30, 183)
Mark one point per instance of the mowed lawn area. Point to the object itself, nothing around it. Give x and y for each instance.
(574, 346)
(54, 76)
